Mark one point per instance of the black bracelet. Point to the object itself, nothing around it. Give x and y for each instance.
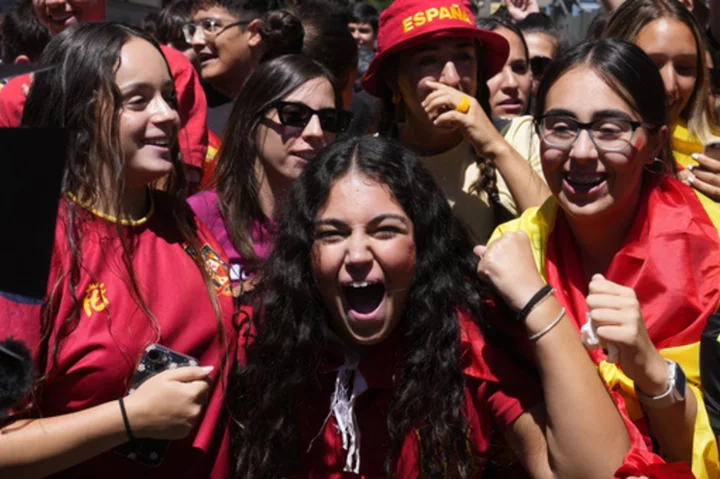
(129, 432)
(544, 292)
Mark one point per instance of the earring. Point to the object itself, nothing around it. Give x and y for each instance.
(657, 167)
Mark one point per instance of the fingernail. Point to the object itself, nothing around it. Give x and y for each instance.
(207, 369)
(690, 167)
(690, 178)
(695, 156)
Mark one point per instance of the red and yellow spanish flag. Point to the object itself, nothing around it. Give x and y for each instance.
(208, 181)
(671, 259)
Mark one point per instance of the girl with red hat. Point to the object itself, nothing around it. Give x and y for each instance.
(430, 72)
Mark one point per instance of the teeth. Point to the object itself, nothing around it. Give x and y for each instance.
(359, 284)
(61, 18)
(157, 142)
(585, 179)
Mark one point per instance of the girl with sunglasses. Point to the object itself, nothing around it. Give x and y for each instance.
(632, 254)
(286, 112)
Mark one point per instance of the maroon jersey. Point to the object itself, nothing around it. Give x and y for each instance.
(103, 345)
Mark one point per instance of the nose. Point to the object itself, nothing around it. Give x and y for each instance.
(509, 82)
(449, 75)
(358, 253)
(163, 113)
(313, 132)
(583, 148)
(198, 39)
(669, 78)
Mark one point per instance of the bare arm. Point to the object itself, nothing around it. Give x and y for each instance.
(164, 407)
(526, 187)
(578, 414)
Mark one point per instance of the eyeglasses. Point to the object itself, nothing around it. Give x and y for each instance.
(210, 28)
(608, 134)
(299, 115)
(538, 65)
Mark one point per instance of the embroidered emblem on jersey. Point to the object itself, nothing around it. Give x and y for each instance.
(215, 267)
(95, 299)
(432, 463)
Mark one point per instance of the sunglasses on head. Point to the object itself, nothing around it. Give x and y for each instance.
(298, 114)
(538, 65)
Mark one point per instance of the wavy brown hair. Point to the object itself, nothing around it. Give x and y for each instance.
(81, 96)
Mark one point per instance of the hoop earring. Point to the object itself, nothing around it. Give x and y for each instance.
(657, 167)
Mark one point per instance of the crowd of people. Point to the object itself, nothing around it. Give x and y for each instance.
(409, 243)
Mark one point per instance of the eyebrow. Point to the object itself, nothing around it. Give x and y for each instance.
(374, 221)
(142, 85)
(598, 115)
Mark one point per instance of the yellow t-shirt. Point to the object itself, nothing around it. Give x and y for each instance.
(684, 144)
(455, 171)
(520, 134)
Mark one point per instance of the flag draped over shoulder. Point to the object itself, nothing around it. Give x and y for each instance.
(671, 259)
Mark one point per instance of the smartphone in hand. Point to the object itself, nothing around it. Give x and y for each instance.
(156, 359)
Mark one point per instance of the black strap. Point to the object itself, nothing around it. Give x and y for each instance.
(129, 432)
(539, 296)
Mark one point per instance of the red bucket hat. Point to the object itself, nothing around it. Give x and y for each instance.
(409, 23)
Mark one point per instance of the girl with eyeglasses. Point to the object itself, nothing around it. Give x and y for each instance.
(287, 111)
(670, 35)
(632, 253)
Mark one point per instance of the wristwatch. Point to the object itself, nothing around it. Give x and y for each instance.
(675, 389)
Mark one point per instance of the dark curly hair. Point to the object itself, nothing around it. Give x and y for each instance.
(290, 319)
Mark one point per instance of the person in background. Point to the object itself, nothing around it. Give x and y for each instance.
(329, 43)
(169, 23)
(632, 253)
(671, 37)
(431, 78)
(510, 87)
(544, 41)
(231, 38)
(57, 15)
(286, 112)
(131, 264)
(24, 37)
(363, 24)
(365, 354)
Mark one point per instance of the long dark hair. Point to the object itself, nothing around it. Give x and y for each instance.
(237, 187)
(81, 96)
(291, 317)
(626, 69)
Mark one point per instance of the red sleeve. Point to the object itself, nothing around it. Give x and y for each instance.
(192, 107)
(12, 101)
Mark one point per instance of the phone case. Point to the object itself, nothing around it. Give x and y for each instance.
(156, 359)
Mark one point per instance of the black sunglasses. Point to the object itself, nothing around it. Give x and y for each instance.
(538, 65)
(298, 114)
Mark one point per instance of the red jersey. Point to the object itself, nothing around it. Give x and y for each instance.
(192, 108)
(98, 357)
(496, 394)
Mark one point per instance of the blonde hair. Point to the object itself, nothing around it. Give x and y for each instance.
(626, 23)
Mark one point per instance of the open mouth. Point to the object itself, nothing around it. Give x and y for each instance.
(363, 298)
(584, 183)
(60, 18)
